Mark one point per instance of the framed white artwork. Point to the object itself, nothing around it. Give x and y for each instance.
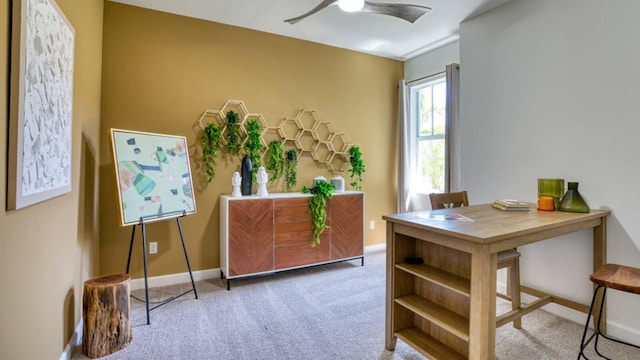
(41, 103)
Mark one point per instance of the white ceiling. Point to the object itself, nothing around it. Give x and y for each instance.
(364, 32)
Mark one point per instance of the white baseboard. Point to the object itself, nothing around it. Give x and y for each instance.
(375, 248)
(174, 279)
(74, 342)
(181, 278)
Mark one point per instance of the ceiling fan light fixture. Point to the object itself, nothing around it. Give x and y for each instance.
(351, 5)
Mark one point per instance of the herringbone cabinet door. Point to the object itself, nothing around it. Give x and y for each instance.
(250, 236)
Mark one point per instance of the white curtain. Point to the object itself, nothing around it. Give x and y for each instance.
(452, 119)
(406, 146)
(404, 150)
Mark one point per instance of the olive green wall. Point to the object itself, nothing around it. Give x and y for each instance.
(161, 72)
(49, 249)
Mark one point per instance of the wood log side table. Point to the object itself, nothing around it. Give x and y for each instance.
(105, 313)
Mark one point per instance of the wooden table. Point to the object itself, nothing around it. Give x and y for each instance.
(446, 307)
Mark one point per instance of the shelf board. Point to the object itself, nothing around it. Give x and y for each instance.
(442, 278)
(442, 317)
(426, 345)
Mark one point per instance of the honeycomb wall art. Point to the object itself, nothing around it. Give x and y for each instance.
(305, 133)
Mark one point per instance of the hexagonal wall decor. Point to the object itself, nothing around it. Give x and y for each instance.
(324, 131)
(305, 132)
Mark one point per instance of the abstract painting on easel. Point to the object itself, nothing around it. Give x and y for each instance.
(153, 176)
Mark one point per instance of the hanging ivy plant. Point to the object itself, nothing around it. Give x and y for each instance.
(276, 159)
(253, 145)
(317, 208)
(291, 169)
(210, 141)
(233, 133)
(357, 167)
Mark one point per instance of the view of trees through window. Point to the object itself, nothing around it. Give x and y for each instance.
(430, 104)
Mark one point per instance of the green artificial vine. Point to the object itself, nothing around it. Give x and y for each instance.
(210, 142)
(291, 169)
(357, 167)
(253, 145)
(233, 133)
(320, 192)
(276, 159)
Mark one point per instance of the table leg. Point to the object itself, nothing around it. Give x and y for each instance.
(599, 259)
(390, 339)
(482, 319)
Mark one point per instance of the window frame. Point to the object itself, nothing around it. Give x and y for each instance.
(415, 137)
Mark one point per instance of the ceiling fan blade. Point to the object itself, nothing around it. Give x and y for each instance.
(406, 12)
(320, 6)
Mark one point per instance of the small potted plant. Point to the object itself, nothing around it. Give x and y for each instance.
(253, 144)
(210, 141)
(291, 169)
(357, 167)
(276, 164)
(233, 133)
(320, 192)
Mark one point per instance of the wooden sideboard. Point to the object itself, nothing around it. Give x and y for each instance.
(266, 234)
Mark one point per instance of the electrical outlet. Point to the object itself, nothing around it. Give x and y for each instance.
(372, 224)
(153, 247)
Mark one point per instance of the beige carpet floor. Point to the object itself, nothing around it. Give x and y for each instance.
(328, 312)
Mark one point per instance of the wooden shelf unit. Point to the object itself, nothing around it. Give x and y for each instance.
(265, 234)
(431, 300)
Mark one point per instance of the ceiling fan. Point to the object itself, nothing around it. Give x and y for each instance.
(406, 12)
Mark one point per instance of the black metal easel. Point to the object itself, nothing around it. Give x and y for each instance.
(144, 257)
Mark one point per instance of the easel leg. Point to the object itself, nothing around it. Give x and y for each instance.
(146, 284)
(133, 234)
(193, 284)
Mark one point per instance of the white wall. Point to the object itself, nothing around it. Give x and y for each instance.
(550, 89)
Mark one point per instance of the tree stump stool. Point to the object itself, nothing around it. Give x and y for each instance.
(105, 313)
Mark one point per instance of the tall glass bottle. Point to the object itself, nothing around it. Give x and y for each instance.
(572, 201)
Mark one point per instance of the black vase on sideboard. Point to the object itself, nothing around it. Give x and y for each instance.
(247, 181)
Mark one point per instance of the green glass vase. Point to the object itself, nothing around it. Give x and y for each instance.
(572, 201)
(551, 187)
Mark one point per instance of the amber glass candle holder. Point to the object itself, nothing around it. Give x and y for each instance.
(551, 187)
(546, 202)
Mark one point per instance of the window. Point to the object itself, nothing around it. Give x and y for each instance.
(427, 111)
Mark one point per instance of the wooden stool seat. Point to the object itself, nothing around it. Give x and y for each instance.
(619, 277)
(608, 276)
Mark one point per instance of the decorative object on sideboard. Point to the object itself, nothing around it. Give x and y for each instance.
(261, 179)
(247, 175)
(572, 201)
(338, 183)
(357, 167)
(318, 179)
(236, 181)
(320, 192)
(550, 187)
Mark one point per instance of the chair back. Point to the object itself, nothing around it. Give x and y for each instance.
(448, 200)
